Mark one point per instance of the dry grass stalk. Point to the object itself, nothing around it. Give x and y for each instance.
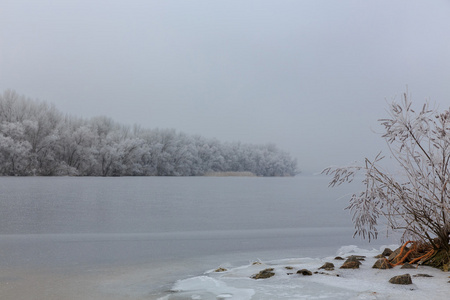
(415, 198)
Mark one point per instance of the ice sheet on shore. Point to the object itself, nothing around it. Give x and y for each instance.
(362, 284)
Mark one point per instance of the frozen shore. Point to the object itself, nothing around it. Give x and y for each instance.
(364, 283)
(191, 279)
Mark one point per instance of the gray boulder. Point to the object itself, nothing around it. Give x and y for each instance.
(382, 263)
(352, 264)
(327, 266)
(304, 272)
(401, 279)
(267, 273)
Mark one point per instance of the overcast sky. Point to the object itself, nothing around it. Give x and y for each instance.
(311, 76)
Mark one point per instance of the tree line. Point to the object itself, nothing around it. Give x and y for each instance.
(37, 139)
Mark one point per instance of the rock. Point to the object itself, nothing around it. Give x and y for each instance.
(289, 268)
(338, 258)
(256, 263)
(327, 266)
(407, 266)
(220, 270)
(422, 275)
(304, 272)
(267, 273)
(353, 264)
(386, 252)
(394, 254)
(355, 258)
(401, 279)
(382, 263)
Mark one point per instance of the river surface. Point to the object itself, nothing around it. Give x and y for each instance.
(132, 237)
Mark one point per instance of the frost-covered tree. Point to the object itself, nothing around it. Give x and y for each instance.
(415, 197)
(36, 139)
(78, 148)
(15, 151)
(209, 155)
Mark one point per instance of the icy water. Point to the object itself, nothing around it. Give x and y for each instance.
(116, 238)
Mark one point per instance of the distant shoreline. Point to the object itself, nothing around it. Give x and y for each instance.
(208, 174)
(230, 174)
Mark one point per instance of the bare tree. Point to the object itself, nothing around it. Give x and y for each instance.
(414, 199)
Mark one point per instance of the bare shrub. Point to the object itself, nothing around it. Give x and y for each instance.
(415, 198)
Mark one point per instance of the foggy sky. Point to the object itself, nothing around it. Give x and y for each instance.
(311, 76)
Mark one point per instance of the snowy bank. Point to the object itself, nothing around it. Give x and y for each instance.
(363, 283)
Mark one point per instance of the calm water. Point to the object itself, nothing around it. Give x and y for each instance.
(77, 224)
